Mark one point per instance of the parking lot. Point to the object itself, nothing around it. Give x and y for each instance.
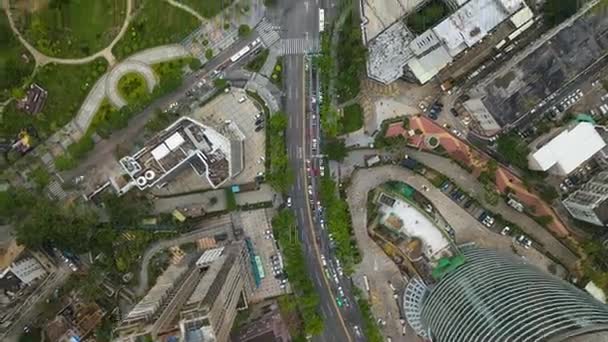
(256, 224)
(233, 108)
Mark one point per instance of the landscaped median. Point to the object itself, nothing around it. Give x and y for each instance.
(280, 175)
(306, 298)
(339, 224)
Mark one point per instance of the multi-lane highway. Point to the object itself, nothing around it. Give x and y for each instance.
(300, 21)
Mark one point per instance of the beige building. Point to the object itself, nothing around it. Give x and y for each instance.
(194, 301)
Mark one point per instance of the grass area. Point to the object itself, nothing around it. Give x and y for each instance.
(350, 61)
(132, 87)
(339, 224)
(156, 23)
(207, 8)
(71, 28)
(280, 175)
(67, 86)
(14, 70)
(352, 118)
(307, 300)
(258, 62)
(277, 73)
(230, 200)
(428, 16)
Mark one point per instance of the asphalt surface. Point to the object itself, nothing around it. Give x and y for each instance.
(300, 20)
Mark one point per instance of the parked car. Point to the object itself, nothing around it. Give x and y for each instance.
(505, 231)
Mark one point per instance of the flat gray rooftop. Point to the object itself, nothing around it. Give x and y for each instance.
(514, 92)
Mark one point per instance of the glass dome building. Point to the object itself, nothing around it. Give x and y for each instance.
(491, 297)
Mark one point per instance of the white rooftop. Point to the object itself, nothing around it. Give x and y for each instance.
(174, 141)
(567, 151)
(416, 224)
(160, 151)
(209, 256)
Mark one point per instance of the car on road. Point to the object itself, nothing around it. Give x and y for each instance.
(524, 241)
(289, 202)
(357, 330)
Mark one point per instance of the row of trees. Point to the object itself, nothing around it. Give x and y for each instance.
(280, 175)
(329, 116)
(339, 224)
(285, 230)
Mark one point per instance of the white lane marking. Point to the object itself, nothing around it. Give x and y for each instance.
(306, 5)
(299, 152)
(298, 184)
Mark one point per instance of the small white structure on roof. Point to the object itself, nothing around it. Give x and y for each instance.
(567, 151)
(596, 292)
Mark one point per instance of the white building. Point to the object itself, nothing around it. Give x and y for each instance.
(28, 269)
(396, 48)
(590, 202)
(566, 151)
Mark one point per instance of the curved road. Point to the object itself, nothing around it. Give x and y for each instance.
(42, 59)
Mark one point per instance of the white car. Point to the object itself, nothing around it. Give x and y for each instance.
(289, 202)
(323, 261)
(505, 231)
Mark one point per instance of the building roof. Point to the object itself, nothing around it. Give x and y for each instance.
(425, 55)
(522, 16)
(568, 150)
(429, 65)
(389, 53)
(378, 15)
(209, 256)
(185, 142)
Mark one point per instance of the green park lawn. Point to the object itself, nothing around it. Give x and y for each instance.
(13, 68)
(207, 8)
(132, 87)
(352, 118)
(156, 23)
(74, 28)
(67, 86)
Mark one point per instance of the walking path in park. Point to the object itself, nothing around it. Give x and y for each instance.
(42, 59)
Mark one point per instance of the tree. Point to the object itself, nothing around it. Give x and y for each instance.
(220, 83)
(244, 30)
(68, 227)
(556, 11)
(514, 149)
(336, 150)
(209, 53)
(128, 210)
(195, 64)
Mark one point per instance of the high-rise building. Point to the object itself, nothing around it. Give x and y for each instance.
(194, 301)
(493, 297)
(590, 202)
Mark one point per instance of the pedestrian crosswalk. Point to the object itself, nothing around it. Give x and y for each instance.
(296, 46)
(268, 32)
(56, 190)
